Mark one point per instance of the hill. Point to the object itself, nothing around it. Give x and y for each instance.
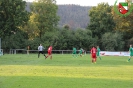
(73, 15)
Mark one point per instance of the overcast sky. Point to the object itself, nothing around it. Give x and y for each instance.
(84, 2)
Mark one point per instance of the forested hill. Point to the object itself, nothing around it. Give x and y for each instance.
(73, 15)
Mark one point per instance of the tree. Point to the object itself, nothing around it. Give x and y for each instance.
(12, 16)
(123, 23)
(17, 40)
(45, 15)
(77, 38)
(31, 28)
(66, 26)
(129, 42)
(50, 38)
(101, 20)
(112, 41)
(83, 38)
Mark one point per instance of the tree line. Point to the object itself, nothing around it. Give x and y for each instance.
(20, 28)
(75, 16)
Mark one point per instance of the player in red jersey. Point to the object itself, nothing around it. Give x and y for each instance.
(93, 54)
(49, 52)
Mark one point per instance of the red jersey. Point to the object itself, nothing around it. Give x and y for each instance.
(50, 49)
(93, 50)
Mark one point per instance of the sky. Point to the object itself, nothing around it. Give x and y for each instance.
(84, 2)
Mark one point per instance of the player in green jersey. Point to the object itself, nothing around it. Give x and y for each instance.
(98, 52)
(131, 52)
(74, 52)
(81, 52)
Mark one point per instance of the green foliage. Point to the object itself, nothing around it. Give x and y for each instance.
(12, 16)
(34, 43)
(101, 20)
(31, 28)
(124, 24)
(69, 38)
(112, 41)
(74, 15)
(84, 38)
(42, 26)
(18, 40)
(65, 39)
(50, 38)
(45, 15)
(130, 41)
(66, 26)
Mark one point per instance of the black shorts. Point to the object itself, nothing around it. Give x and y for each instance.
(41, 52)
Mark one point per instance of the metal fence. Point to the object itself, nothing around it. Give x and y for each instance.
(24, 51)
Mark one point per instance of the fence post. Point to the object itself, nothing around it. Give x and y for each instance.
(11, 51)
(62, 52)
(85, 52)
(14, 51)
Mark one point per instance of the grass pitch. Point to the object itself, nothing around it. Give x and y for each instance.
(64, 71)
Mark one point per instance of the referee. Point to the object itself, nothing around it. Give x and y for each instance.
(40, 50)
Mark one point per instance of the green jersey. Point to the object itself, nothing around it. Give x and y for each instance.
(131, 51)
(81, 51)
(74, 50)
(98, 51)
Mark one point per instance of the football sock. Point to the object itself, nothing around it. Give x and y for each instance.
(72, 54)
(51, 57)
(129, 59)
(100, 58)
(92, 61)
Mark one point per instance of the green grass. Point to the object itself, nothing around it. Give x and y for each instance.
(64, 71)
